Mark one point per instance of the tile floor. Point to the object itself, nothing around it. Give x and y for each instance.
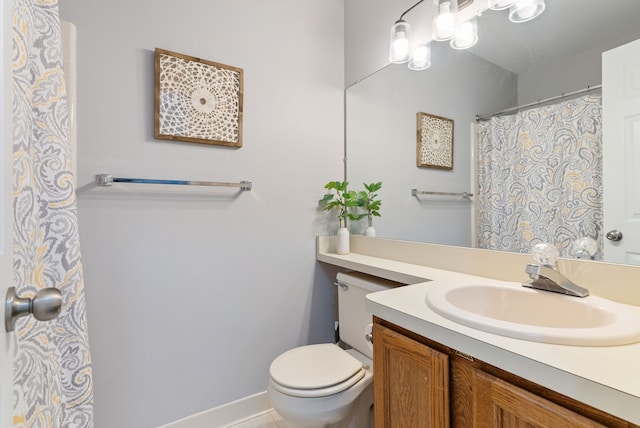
(266, 420)
(271, 420)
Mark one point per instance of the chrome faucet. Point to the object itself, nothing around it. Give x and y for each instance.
(545, 277)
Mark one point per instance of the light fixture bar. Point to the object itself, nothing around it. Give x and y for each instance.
(409, 10)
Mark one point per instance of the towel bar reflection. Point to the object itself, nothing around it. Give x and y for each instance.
(463, 195)
(106, 180)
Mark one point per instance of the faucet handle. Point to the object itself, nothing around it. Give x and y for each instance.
(545, 253)
(584, 248)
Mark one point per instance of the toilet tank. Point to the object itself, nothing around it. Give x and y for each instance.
(355, 321)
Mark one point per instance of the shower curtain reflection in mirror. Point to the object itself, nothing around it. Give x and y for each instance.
(539, 177)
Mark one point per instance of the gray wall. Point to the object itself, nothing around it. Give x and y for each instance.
(574, 72)
(191, 293)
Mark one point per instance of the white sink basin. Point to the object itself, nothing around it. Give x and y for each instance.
(540, 316)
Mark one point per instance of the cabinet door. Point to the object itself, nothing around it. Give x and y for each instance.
(499, 404)
(411, 382)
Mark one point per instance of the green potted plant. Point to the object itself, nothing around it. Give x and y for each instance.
(344, 200)
(371, 205)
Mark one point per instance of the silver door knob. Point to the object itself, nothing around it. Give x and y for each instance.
(369, 337)
(614, 235)
(44, 306)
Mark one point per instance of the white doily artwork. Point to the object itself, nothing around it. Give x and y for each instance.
(435, 142)
(196, 100)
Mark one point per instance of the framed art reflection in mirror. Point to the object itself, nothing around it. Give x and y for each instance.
(434, 147)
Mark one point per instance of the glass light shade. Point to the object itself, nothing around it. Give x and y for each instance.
(444, 23)
(466, 35)
(526, 10)
(500, 4)
(421, 57)
(399, 46)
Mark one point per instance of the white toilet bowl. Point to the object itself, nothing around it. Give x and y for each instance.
(322, 386)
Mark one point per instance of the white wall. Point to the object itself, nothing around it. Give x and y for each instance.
(192, 293)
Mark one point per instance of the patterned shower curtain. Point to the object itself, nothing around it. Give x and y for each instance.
(540, 177)
(53, 379)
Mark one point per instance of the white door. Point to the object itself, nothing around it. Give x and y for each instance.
(621, 153)
(6, 230)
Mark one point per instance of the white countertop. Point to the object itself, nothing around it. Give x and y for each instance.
(607, 378)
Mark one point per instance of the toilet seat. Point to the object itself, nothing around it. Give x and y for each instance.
(315, 371)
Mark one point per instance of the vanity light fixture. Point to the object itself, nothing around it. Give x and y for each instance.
(444, 23)
(526, 10)
(466, 34)
(446, 27)
(400, 46)
(421, 57)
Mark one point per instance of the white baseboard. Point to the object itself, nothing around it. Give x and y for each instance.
(227, 414)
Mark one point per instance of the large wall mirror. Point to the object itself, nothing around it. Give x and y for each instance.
(512, 64)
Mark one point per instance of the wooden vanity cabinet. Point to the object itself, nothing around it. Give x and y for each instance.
(410, 384)
(500, 404)
(419, 383)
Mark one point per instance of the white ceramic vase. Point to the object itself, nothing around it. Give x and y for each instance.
(342, 246)
(370, 230)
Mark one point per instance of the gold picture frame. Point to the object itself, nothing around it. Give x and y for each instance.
(196, 100)
(434, 148)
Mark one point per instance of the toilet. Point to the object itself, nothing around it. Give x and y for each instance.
(325, 385)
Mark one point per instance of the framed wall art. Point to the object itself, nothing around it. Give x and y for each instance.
(197, 101)
(434, 147)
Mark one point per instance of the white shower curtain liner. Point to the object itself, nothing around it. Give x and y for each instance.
(53, 384)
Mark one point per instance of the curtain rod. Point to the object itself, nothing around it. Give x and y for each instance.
(537, 103)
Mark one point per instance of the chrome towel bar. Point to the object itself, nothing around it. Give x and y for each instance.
(106, 180)
(464, 195)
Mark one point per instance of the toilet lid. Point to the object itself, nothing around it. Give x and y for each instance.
(315, 367)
